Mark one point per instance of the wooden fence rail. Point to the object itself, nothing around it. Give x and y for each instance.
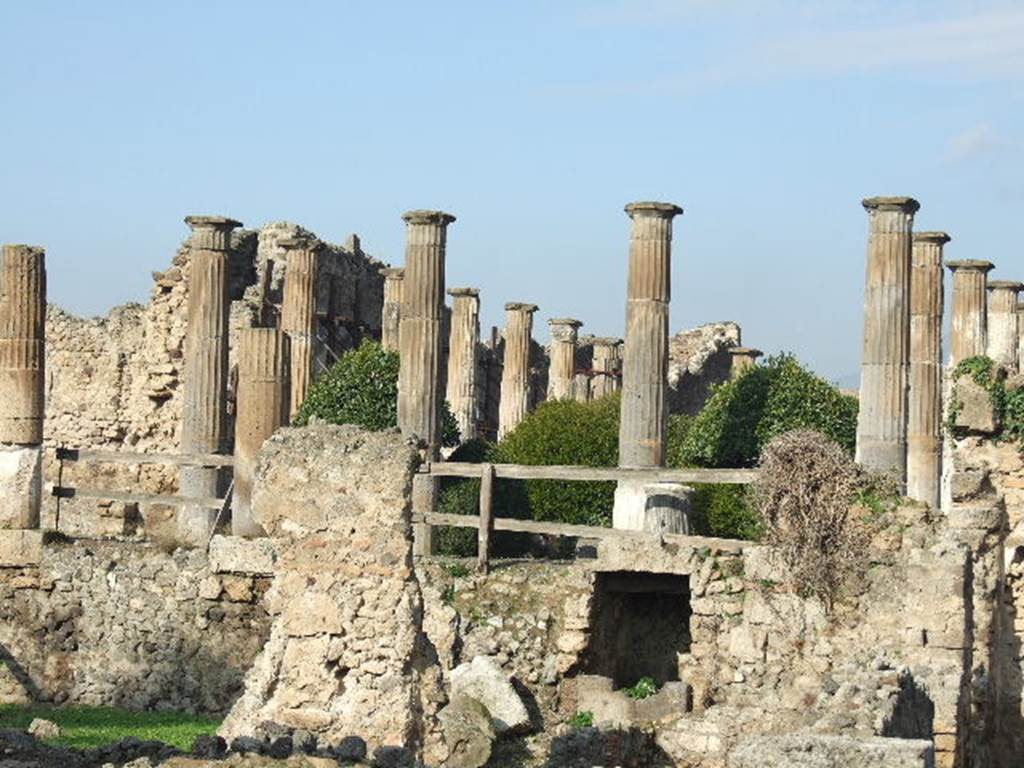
(562, 472)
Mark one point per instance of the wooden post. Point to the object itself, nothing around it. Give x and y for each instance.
(483, 551)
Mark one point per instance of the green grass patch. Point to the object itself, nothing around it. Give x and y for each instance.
(85, 727)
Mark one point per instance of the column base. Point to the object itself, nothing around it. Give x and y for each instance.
(21, 486)
(653, 507)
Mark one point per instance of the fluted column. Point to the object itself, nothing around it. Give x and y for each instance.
(882, 419)
(645, 357)
(262, 407)
(392, 312)
(1003, 335)
(515, 373)
(562, 371)
(924, 408)
(463, 340)
(969, 324)
(607, 367)
(742, 359)
(204, 407)
(22, 369)
(1020, 337)
(298, 316)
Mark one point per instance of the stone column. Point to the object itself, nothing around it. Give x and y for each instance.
(204, 396)
(1020, 337)
(742, 359)
(970, 309)
(1003, 335)
(924, 407)
(882, 420)
(515, 373)
(298, 316)
(392, 312)
(644, 415)
(607, 367)
(262, 407)
(463, 340)
(22, 369)
(562, 371)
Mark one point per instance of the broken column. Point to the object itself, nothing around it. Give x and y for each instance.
(970, 309)
(515, 374)
(1003, 335)
(464, 338)
(882, 420)
(562, 370)
(1020, 337)
(607, 367)
(742, 359)
(298, 315)
(644, 415)
(22, 368)
(924, 407)
(262, 407)
(392, 312)
(204, 396)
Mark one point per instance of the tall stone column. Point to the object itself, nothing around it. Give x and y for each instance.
(204, 408)
(882, 420)
(742, 359)
(924, 408)
(970, 309)
(22, 369)
(515, 374)
(1020, 337)
(298, 316)
(644, 416)
(463, 341)
(607, 367)
(1003, 335)
(562, 371)
(392, 312)
(262, 407)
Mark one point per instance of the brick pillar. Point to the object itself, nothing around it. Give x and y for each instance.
(970, 309)
(742, 359)
(204, 408)
(882, 420)
(262, 407)
(515, 374)
(298, 316)
(392, 312)
(562, 371)
(22, 369)
(607, 367)
(644, 416)
(924, 407)
(1003, 336)
(463, 341)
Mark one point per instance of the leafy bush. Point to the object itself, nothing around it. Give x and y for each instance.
(743, 415)
(644, 688)
(724, 511)
(804, 493)
(362, 389)
(582, 720)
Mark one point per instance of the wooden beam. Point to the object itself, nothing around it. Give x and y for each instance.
(523, 472)
(486, 523)
(134, 457)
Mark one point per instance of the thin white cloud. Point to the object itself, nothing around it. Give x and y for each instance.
(976, 141)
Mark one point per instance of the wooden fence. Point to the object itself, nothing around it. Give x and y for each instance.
(485, 522)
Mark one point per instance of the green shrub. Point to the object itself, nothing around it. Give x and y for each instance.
(461, 496)
(644, 688)
(724, 511)
(582, 720)
(362, 389)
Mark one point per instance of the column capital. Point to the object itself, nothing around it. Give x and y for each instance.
(519, 306)
(393, 273)
(439, 218)
(652, 209)
(20, 250)
(604, 341)
(220, 223)
(907, 205)
(1005, 285)
(939, 238)
(568, 321)
(456, 292)
(970, 265)
(211, 233)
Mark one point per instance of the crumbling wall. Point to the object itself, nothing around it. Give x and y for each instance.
(699, 359)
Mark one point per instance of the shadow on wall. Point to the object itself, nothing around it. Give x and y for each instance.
(20, 675)
(1009, 737)
(913, 715)
(587, 747)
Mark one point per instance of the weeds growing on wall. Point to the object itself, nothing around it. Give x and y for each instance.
(1007, 402)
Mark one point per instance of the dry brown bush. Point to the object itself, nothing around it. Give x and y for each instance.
(804, 495)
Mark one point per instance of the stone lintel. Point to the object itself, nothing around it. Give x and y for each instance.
(604, 341)
(212, 222)
(300, 243)
(649, 208)
(891, 203)
(1005, 285)
(969, 265)
(395, 273)
(463, 291)
(572, 322)
(427, 217)
(939, 238)
(519, 306)
(19, 549)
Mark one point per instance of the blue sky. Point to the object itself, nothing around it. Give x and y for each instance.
(534, 123)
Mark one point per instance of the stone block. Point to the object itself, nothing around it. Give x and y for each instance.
(21, 486)
(468, 732)
(969, 484)
(763, 563)
(19, 549)
(234, 554)
(805, 750)
(674, 699)
(595, 694)
(484, 680)
(976, 412)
